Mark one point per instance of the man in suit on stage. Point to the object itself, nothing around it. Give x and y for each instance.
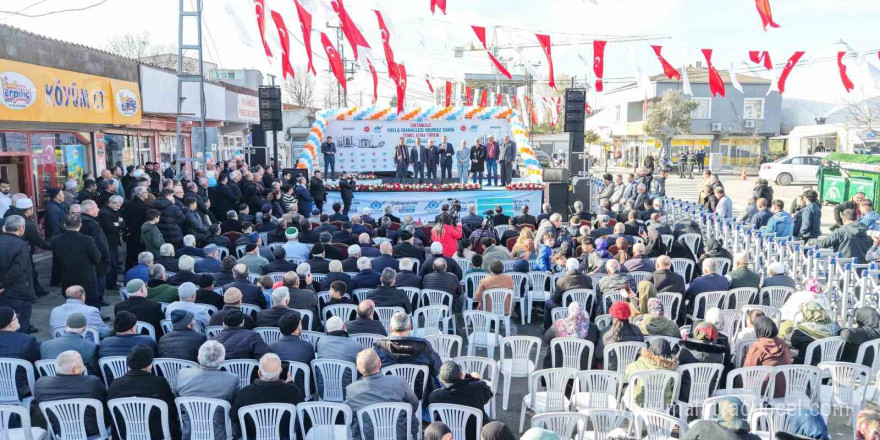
(401, 159)
(416, 154)
(506, 160)
(446, 153)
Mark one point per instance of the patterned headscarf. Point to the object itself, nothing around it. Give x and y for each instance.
(731, 414)
(816, 322)
(575, 324)
(601, 246)
(813, 285)
(706, 332)
(655, 307)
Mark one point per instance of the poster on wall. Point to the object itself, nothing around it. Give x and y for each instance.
(367, 146)
(75, 160)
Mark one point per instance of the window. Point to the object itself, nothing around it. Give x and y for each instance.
(617, 113)
(753, 108)
(703, 110)
(799, 161)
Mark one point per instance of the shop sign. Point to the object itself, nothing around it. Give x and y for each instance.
(43, 94)
(248, 108)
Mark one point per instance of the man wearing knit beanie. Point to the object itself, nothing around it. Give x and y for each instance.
(125, 326)
(460, 388)
(139, 381)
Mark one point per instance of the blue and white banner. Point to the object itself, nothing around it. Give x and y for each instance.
(426, 206)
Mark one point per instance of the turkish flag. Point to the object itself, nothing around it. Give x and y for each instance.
(375, 81)
(305, 23)
(386, 44)
(668, 70)
(545, 44)
(286, 68)
(430, 86)
(260, 8)
(765, 13)
(400, 82)
(481, 35)
(439, 4)
(498, 98)
(469, 96)
(335, 60)
(448, 92)
(349, 29)
(844, 77)
(531, 104)
(484, 98)
(515, 102)
(598, 62)
(761, 56)
(716, 84)
(789, 66)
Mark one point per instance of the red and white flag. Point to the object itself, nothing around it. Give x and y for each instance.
(498, 98)
(349, 29)
(334, 59)
(789, 66)
(761, 57)
(375, 81)
(305, 23)
(765, 13)
(484, 98)
(598, 62)
(386, 44)
(430, 86)
(284, 37)
(438, 4)
(260, 9)
(481, 35)
(668, 70)
(716, 84)
(469, 96)
(545, 45)
(844, 77)
(400, 83)
(448, 93)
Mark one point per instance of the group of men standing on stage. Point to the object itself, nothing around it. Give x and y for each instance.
(422, 160)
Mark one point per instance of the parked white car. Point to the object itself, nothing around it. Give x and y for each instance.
(792, 169)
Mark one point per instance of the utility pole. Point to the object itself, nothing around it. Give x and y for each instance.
(198, 78)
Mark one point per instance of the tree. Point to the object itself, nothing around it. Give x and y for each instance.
(669, 117)
(864, 115)
(139, 46)
(591, 137)
(301, 88)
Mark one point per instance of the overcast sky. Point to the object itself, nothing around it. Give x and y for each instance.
(730, 27)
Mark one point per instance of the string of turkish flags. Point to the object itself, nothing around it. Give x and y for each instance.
(599, 62)
(481, 35)
(335, 60)
(716, 84)
(305, 23)
(286, 68)
(260, 8)
(759, 56)
(544, 40)
(668, 70)
(765, 13)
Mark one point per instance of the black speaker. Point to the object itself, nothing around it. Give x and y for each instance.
(581, 192)
(556, 175)
(258, 136)
(270, 108)
(557, 196)
(575, 112)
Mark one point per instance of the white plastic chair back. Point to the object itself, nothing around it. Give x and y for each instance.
(777, 296)
(848, 385)
(522, 362)
(692, 240)
(471, 281)
(46, 368)
(572, 351)
(801, 384)
(671, 304)
(167, 326)
(331, 373)
(412, 293)
(200, 413)
(604, 421)
(561, 312)
(564, 425)
(710, 405)
(428, 320)
(278, 276)
(494, 300)
(547, 392)
(603, 322)
(829, 348)
(456, 417)
(414, 375)
(446, 346)
(765, 422)
(609, 298)
(243, 368)
(8, 385)
(26, 431)
(728, 322)
(874, 347)
(213, 330)
(742, 296)
(770, 312)
(170, 367)
(463, 263)
(239, 251)
(366, 339)
(683, 267)
(723, 264)
(112, 367)
(250, 309)
(383, 417)
(597, 389)
(488, 371)
(70, 415)
(361, 294)
(755, 379)
(705, 379)
(267, 418)
(294, 369)
(269, 334)
(307, 316)
(539, 285)
(654, 384)
(708, 300)
(639, 276)
(134, 415)
(322, 416)
(346, 312)
(311, 337)
(480, 331)
(667, 241)
(385, 314)
(585, 297)
(624, 353)
(145, 328)
(659, 425)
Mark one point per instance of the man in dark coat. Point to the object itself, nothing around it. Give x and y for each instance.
(55, 212)
(460, 388)
(15, 271)
(78, 257)
(316, 187)
(431, 160)
(664, 279)
(401, 159)
(172, 218)
(112, 224)
(70, 383)
(445, 153)
(89, 191)
(126, 337)
(386, 295)
(222, 198)
(184, 341)
(239, 342)
(269, 317)
(134, 212)
(290, 347)
(24, 208)
(304, 199)
(144, 309)
(416, 159)
(92, 228)
(139, 381)
(346, 192)
(250, 293)
(328, 150)
(406, 249)
(270, 388)
(440, 279)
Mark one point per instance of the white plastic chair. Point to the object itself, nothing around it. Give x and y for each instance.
(346, 312)
(90, 333)
(463, 263)
(659, 426)
(413, 374)
(250, 309)
(483, 330)
(199, 412)
(571, 351)
(243, 368)
(692, 240)
(307, 317)
(487, 369)
(112, 367)
(755, 379)
(624, 354)
(724, 264)
(604, 421)
(708, 300)
(673, 341)
(801, 385)
(311, 337)
(267, 418)
(520, 289)
(667, 241)
(654, 384)
(521, 362)
(776, 296)
(170, 367)
(846, 389)
(563, 424)
(456, 417)
(433, 297)
(539, 291)
(268, 334)
(430, 320)
(494, 301)
(8, 386)
(603, 322)
(561, 312)
(385, 314)
(413, 294)
(330, 377)
(639, 276)
(167, 326)
(597, 389)
(70, 418)
(609, 298)
(383, 419)
(134, 415)
(366, 339)
(771, 312)
(213, 330)
(322, 416)
(279, 276)
(471, 281)
(766, 422)
(683, 267)
(704, 379)
(145, 328)
(741, 350)
(546, 392)
(446, 346)
(741, 296)
(26, 431)
(585, 297)
(729, 322)
(294, 369)
(671, 304)
(829, 348)
(361, 294)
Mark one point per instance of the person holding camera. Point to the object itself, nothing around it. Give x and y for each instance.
(346, 191)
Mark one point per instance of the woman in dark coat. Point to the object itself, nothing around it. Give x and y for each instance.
(222, 198)
(619, 331)
(816, 325)
(701, 348)
(729, 424)
(714, 249)
(478, 161)
(575, 325)
(768, 351)
(868, 329)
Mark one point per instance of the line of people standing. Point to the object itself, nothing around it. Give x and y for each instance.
(420, 161)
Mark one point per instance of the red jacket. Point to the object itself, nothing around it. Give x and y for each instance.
(449, 240)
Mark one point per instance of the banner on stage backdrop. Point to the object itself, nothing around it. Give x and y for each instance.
(367, 146)
(426, 206)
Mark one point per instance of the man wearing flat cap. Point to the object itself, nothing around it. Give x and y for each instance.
(139, 381)
(210, 263)
(73, 339)
(184, 341)
(240, 342)
(126, 337)
(137, 303)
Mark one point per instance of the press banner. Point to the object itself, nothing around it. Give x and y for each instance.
(367, 146)
(43, 94)
(425, 207)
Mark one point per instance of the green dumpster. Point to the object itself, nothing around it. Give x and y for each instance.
(863, 185)
(833, 189)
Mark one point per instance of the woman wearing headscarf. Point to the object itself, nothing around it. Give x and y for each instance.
(496, 431)
(868, 425)
(729, 424)
(654, 245)
(714, 249)
(437, 431)
(811, 292)
(620, 330)
(868, 329)
(639, 303)
(655, 322)
(701, 347)
(806, 424)
(768, 351)
(658, 356)
(815, 325)
(575, 325)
